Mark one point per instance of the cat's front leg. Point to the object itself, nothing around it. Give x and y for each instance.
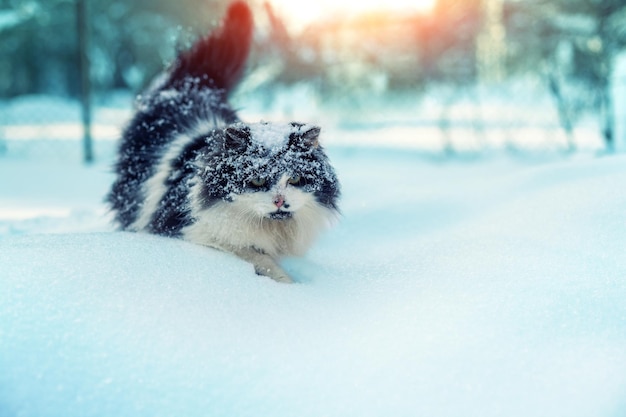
(273, 271)
(263, 264)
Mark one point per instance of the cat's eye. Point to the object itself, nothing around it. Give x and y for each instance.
(295, 180)
(258, 182)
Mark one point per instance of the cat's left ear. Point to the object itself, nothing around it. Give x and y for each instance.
(237, 136)
(309, 138)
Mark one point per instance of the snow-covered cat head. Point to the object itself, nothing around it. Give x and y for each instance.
(268, 170)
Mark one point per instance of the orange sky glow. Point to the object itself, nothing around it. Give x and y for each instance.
(300, 14)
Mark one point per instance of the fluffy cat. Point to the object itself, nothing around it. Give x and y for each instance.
(189, 168)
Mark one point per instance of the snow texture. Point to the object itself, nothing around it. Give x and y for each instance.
(488, 288)
(274, 135)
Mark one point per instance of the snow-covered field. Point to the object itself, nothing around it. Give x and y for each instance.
(475, 284)
(490, 287)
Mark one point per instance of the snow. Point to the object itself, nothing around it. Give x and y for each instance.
(270, 135)
(491, 287)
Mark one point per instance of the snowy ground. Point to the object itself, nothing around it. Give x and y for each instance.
(491, 287)
(477, 284)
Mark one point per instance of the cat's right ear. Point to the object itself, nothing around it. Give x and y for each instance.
(237, 137)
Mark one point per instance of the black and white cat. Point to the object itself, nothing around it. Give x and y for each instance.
(189, 168)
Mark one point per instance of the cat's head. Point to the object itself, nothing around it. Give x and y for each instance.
(273, 171)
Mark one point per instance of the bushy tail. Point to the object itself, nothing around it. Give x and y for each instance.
(219, 58)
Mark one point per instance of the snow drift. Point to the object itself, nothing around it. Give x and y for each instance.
(448, 289)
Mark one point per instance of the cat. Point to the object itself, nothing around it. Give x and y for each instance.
(189, 168)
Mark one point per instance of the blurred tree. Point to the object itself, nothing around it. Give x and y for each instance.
(447, 41)
(131, 41)
(36, 52)
(491, 43)
(575, 43)
(594, 52)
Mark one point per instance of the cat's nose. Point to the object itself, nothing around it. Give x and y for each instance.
(279, 201)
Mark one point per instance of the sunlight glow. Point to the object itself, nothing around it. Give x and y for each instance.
(302, 13)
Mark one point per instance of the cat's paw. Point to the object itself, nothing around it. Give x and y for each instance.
(276, 273)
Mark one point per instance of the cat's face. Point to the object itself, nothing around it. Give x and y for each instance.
(278, 200)
(269, 170)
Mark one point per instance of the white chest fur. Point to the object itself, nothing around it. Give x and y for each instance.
(243, 223)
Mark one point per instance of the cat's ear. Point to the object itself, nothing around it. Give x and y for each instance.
(309, 138)
(237, 136)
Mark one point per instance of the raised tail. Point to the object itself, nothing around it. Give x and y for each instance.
(218, 59)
